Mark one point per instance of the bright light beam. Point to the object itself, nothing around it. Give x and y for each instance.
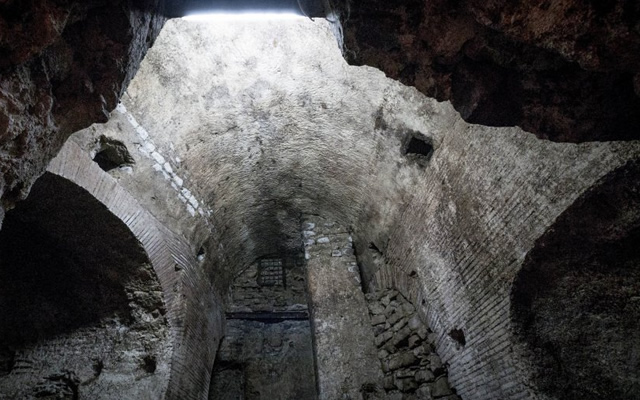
(242, 16)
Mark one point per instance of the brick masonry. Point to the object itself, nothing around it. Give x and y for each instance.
(195, 334)
(451, 234)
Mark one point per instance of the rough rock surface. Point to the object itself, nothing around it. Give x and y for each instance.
(81, 311)
(566, 70)
(406, 349)
(63, 66)
(581, 279)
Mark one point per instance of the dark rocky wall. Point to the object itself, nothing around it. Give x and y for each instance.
(63, 66)
(576, 302)
(566, 71)
(81, 310)
(267, 361)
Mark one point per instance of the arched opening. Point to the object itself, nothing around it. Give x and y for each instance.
(81, 310)
(576, 302)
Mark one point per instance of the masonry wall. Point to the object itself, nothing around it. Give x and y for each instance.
(267, 351)
(453, 246)
(270, 123)
(186, 289)
(346, 361)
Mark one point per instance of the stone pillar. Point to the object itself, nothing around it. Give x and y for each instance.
(346, 360)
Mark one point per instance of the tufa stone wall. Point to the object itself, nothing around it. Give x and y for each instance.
(413, 370)
(566, 71)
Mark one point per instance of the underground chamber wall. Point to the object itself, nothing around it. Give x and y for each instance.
(81, 310)
(267, 350)
(575, 301)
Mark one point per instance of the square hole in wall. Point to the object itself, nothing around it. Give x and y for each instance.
(417, 147)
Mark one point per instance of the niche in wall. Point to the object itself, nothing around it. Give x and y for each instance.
(417, 147)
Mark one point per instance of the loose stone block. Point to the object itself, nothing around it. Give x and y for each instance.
(399, 325)
(388, 382)
(414, 341)
(415, 323)
(441, 387)
(381, 339)
(434, 362)
(402, 360)
(405, 373)
(393, 318)
(424, 375)
(401, 335)
(395, 396)
(424, 392)
(406, 384)
(375, 308)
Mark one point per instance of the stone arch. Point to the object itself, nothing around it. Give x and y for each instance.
(194, 308)
(575, 302)
(82, 313)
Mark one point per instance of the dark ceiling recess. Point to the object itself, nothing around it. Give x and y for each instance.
(418, 147)
(310, 8)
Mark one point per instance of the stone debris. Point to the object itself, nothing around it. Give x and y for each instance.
(406, 349)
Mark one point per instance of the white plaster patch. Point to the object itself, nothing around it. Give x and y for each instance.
(158, 157)
(178, 181)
